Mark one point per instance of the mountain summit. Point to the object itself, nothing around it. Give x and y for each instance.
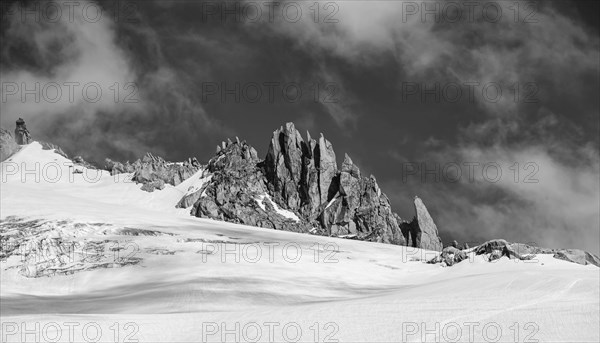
(299, 187)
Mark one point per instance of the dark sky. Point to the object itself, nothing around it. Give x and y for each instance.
(368, 63)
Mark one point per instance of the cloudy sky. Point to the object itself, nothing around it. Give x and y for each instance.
(488, 111)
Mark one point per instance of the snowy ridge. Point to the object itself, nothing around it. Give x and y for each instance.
(178, 278)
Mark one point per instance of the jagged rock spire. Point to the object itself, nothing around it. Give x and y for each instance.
(301, 176)
(22, 135)
(304, 175)
(421, 232)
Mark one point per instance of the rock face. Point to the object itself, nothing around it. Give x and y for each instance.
(359, 208)
(154, 172)
(298, 187)
(8, 145)
(300, 173)
(304, 176)
(421, 232)
(22, 135)
(238, 192)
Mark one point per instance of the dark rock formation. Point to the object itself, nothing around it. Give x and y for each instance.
(8, 145)
(421, 232)
(498, 248)
(22, 135)
(450, 256)
(154, 172)
(494, 250)
(193, 194)
(238, 191)
(360, 208)
(299, 173)
(115, 167)
(302, 177)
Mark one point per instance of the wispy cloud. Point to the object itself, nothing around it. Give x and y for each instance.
(94, 89)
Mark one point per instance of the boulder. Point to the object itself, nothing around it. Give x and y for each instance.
(449, 256)
(489, 246)
(498, 248)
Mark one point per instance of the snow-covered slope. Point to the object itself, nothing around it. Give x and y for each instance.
(140, 269)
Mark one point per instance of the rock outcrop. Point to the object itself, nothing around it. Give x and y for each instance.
(22, 135)
(577, 256)
(498, 248)
(8, 145)
(421, 232)
(299, 173)
(238, 192)
(359, 208)
(449, 256)
(297, 187)
(154, 172)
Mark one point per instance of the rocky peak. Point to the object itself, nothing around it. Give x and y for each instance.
(22, 135)
(300, 172)
(301, 177)
(9, 144)
(233, 155)
(284, 165)
(421, 232)
(349, 167)
(238, 191)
